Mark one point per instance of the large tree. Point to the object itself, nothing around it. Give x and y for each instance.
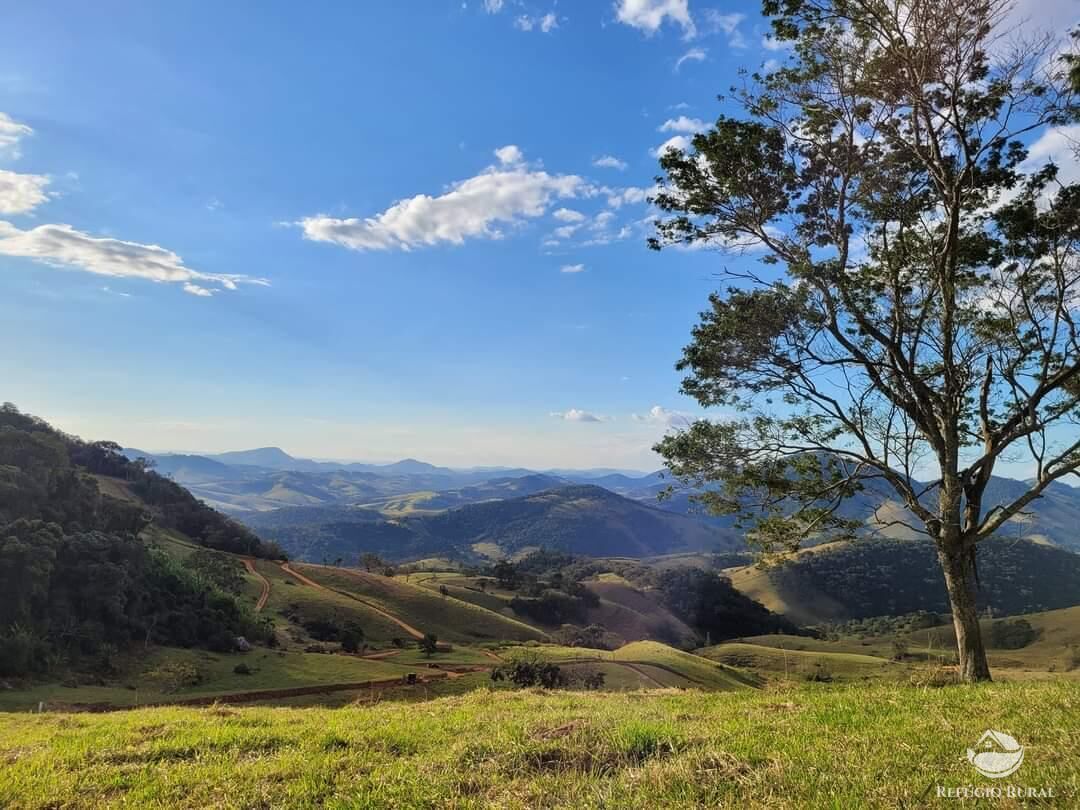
(914, 316)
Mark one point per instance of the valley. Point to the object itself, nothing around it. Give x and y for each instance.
(323, 630)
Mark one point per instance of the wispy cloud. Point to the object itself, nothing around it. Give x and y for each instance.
(658, 415)
(545, 24)
(572, 268)
(716, 21)
(619, 197)
(692, 55)
(11, 132)
(609, 162)
(683, 124)
(493, 6)
(568, 215)
(63, 246)
(474, 208)
(577, 415)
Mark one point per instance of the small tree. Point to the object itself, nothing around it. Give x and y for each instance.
(429, 644)
(917, 314)
(370, 561)
(352, 638)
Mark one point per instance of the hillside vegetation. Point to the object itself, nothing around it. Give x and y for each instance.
(894, 577)
(79, 585)
(814, 747)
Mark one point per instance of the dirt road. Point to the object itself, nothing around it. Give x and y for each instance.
(408, 628)
(249, 564)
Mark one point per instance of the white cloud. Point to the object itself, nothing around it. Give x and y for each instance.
(680, 142)
(683, 124)
(576, 415)
(20, 193)
(617, 198)
(659, 415)
(1057, 146)
(565, 232)
(472, 208)
(649, 15)
(568, 215)
(718, 22)
(602, 220)
(63, 246)
(572, 268)
(11, 132)
(692, 55)
(609, 162)
(509, 155)
(546, 24)
(493, 6)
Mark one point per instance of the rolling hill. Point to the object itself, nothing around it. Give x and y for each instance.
(579, 519)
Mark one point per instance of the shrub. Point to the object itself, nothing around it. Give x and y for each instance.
(243, 669)
(1012, 634)
(172, 676)
(528, 672)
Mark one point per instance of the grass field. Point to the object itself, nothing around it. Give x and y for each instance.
(641, 664)
(876, 745)
(270, 670)
(801, 664)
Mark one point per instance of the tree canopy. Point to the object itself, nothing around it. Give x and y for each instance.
(915, 307)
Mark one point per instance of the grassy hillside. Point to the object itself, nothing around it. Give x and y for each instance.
(429, 612)
(814, 747)
(635, 615)
(641, 664)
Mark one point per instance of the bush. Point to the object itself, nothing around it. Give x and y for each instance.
(1012, 634)
(243, 669)
(528, 672)
(22, 653)
(172, 676)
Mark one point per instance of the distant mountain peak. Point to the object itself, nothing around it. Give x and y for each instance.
(258, 457)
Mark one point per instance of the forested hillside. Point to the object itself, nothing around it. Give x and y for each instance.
(870, 578)
(78, 584)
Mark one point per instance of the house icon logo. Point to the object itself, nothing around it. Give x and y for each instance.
(996, 755)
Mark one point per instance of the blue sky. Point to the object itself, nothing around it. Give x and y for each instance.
(355, 230)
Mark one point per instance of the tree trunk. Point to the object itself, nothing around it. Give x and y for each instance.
(958, 564)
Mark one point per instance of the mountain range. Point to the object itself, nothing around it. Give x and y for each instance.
(409, 495)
